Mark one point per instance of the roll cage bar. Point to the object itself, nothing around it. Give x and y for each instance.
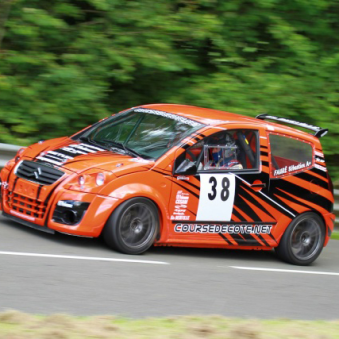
(319, 132)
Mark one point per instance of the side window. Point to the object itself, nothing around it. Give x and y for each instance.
(289, 155)
(225, 150)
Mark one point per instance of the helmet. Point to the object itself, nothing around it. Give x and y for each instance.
(231, 148)
(225, 149)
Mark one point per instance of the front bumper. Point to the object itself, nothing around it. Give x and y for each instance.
(34, 205)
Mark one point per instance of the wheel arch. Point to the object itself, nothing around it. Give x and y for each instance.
(130, 191)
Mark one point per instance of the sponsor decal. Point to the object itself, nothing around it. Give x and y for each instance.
(180, 217)
(60, 156)
(182, 177)
(223, 228)
(319, 159)
(322, 168)
(319, 154)
(169, 116)
(181, 201)
(291, 168)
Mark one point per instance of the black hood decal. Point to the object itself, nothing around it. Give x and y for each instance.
(59, 156)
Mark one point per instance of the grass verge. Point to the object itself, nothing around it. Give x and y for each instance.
(15, 325)
(335, 235)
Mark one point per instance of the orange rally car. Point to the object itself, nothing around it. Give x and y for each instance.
(180, 176)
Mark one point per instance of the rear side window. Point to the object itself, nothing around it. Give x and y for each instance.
(289, 155)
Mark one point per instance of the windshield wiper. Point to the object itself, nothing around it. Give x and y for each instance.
(128, 150)
(93, 142)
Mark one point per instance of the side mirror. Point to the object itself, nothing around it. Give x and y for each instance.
(187, 167)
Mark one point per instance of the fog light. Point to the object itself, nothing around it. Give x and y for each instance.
(100, 180)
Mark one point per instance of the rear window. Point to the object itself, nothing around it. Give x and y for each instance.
(289, 155)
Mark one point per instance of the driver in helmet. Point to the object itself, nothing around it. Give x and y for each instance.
(224, 153)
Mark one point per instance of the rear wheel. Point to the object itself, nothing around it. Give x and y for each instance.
(132, 227)
(303, 240)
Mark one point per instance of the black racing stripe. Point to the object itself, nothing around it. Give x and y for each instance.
(276, 206)
(264, 153)
(15, 181)
(228, 242)
(246, 195)
(265, 163)
(185, 146)
(197, 138)
(304, 194)
(189, 183)
(271, 235)
(247, 209)
(10, 172)
(262, 239)
(286, 196)
(242, 216)
(196, 195)
(309, 177)
(241, 241)
(191, 212)
(237, 214)
(153, 170)
(202, 135)
(237, 238)
(286, 206)
(52, 191)
(38, 192)
(319, 172)
(250, 239)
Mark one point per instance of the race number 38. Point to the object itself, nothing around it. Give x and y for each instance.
(216, 197)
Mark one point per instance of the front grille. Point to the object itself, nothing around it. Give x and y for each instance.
(36, 172)
(32, 207)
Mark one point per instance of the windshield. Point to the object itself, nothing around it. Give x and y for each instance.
(142, 132)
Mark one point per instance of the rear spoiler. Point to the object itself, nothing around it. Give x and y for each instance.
(319, 132)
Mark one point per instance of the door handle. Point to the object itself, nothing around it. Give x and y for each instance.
(258, 185)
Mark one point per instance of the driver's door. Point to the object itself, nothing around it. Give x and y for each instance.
(214, 205)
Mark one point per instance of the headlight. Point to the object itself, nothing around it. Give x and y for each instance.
(100, 179)
(91, 180)
(81, 180)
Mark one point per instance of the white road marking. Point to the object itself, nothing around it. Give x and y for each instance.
(42, 255)
(282, 270)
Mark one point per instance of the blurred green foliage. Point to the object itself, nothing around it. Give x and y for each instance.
(66, 63)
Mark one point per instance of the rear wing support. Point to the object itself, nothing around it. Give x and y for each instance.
(319, 132)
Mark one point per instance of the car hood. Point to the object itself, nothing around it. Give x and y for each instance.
(80, 156)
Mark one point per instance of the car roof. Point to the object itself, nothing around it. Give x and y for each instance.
(212, 117)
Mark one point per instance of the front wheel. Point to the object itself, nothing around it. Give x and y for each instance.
(133, 226)
(303, 240)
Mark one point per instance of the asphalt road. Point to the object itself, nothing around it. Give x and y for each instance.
(42, 273)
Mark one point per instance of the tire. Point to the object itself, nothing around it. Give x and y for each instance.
(133, 226)
(303, 240)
